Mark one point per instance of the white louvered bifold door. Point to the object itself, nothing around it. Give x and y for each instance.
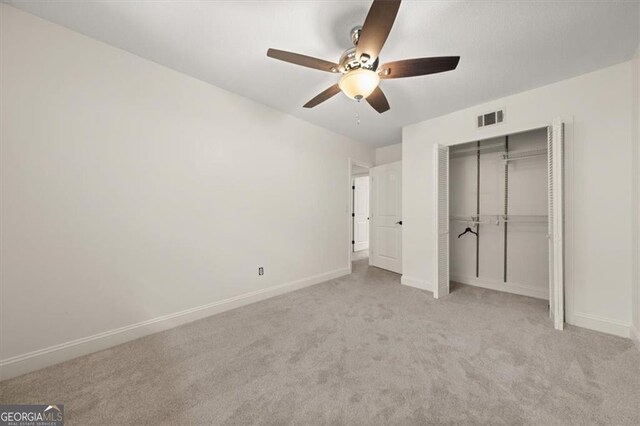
(441, 211)
(550, 213)
(555, 149)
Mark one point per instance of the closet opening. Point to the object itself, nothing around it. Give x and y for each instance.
(499, 214)
(499, 217)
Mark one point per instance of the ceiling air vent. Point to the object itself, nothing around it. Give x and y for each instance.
(491, 118)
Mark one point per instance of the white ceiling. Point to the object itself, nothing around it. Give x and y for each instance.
(505, 48)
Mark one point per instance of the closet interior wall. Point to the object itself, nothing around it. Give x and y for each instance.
(505, 203)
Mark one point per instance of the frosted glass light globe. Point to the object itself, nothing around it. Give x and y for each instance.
(359, 83)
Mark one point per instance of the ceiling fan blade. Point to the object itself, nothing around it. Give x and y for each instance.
(376, 28)
(331, 91)
(378, 100)
(303, 60)
(418, 66)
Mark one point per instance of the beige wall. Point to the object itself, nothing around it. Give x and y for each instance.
(597, 108)
(133, 196)
(636, 277)
(388, 154)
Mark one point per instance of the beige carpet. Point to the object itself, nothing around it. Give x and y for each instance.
(357, 350)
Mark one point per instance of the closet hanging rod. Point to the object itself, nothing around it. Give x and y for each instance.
(473, 222)
(536, 216)
(545, 220)
(512, 156)
(523, 158)
(475, 216)
(496, 219)
(522, 218)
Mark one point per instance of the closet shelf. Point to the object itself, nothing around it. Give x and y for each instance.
(457, 152)
(498, 148)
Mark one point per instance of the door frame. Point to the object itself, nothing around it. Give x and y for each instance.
(350, 163)
(568, 184)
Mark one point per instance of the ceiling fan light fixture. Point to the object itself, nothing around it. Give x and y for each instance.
(359, 64)
(359, 84)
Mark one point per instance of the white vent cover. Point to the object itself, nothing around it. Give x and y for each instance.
(491, 118)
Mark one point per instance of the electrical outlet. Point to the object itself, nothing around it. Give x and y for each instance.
(261, 271)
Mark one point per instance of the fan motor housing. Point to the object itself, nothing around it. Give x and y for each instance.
(348, 60)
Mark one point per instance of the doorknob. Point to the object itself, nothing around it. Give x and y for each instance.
(399, 223)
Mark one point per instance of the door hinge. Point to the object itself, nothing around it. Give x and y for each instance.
(353, 215)
(353, 242)
(353, 187)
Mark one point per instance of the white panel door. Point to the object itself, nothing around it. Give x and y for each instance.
(361, 213)
(386, 220)
(555, 149)
(441, 215)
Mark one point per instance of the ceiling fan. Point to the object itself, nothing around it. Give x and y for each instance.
(358, 65)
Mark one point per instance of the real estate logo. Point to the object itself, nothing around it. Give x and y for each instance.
(32, 415)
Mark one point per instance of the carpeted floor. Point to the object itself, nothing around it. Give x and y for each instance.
(357, 350)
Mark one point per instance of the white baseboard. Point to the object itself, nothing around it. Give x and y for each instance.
(25, 363)
(597, 323)
(417, 283)
(635, 336)
(513, 288)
